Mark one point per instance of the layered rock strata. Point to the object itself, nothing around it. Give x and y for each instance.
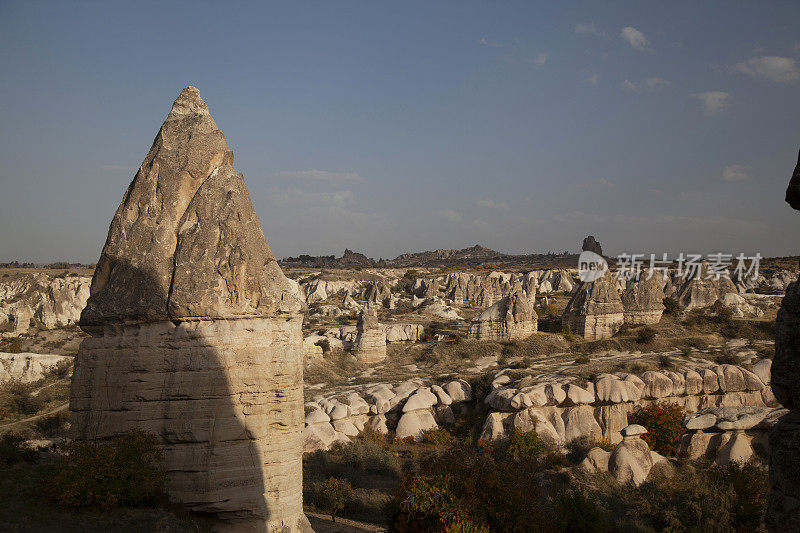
(196, 334)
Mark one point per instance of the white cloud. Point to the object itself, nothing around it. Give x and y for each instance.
(321, 175)
(592, 79)
(772, 68)
(588, 28)
(488, 42)
(450, 215)
(315, 199)
(539, 59)
(735, 173)
(491, 204)
(648, 84)
(713, 101)
(635, 38)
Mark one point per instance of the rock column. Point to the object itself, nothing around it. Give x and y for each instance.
(196, 334)
(783, 505)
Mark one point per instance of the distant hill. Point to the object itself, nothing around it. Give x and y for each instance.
(473, 256)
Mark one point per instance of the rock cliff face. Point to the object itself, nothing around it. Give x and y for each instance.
(510, 318)
(783, 506)
(595, 311)
(196, 334)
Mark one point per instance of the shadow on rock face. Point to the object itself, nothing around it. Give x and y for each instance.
(223, 396)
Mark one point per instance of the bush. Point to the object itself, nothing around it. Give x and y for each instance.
(525, 445)
(122, 471)
(14, 450)
(325, 344)
(15, 346)
(663, 424)
(437, 437)
(468, 488)
(606, 445)
(54, 425)
(672, 307)
(577, 449)
(332, 495)
(568, 335)
(646, 335)
(21, 399)
(370, 457)
(582, 360)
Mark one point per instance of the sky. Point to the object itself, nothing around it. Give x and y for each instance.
(392, 127)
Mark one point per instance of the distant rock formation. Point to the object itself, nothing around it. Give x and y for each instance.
(595, 311)
(196, 334)
(349, 259)
(783, 505)
(591, 245)
(369, 345)
(46, 301)
(703, 290)
(510, 318)
(643, 300)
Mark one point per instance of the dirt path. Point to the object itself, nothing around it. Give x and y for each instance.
(10, 425)
(322, 523)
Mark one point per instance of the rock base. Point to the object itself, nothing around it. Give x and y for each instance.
(225, 398)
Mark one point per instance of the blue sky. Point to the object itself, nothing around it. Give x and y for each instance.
(390, 127)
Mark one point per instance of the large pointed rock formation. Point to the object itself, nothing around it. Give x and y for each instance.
(196, 334)
(783, 505)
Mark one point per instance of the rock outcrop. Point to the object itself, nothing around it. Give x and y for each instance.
(703, 289)
(369, 345)
(595, 311)
(643, 300)
(591, 245)
(783, 504)
(196, 334)
(510, 318)
(43, 300)
(29, 367)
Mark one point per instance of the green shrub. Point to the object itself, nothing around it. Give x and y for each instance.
(568, 335)
(119, 472)
(14, 450)
(672, 307)
(370, 456)
(577, 449)
(468, 488)
(663, 424)
(646, 335)
(437, 437)
(605, 444)
(332, 495)
(525, 445)
(20, 398)
(15, 346)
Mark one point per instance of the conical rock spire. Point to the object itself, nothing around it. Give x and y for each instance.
(185, 242)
